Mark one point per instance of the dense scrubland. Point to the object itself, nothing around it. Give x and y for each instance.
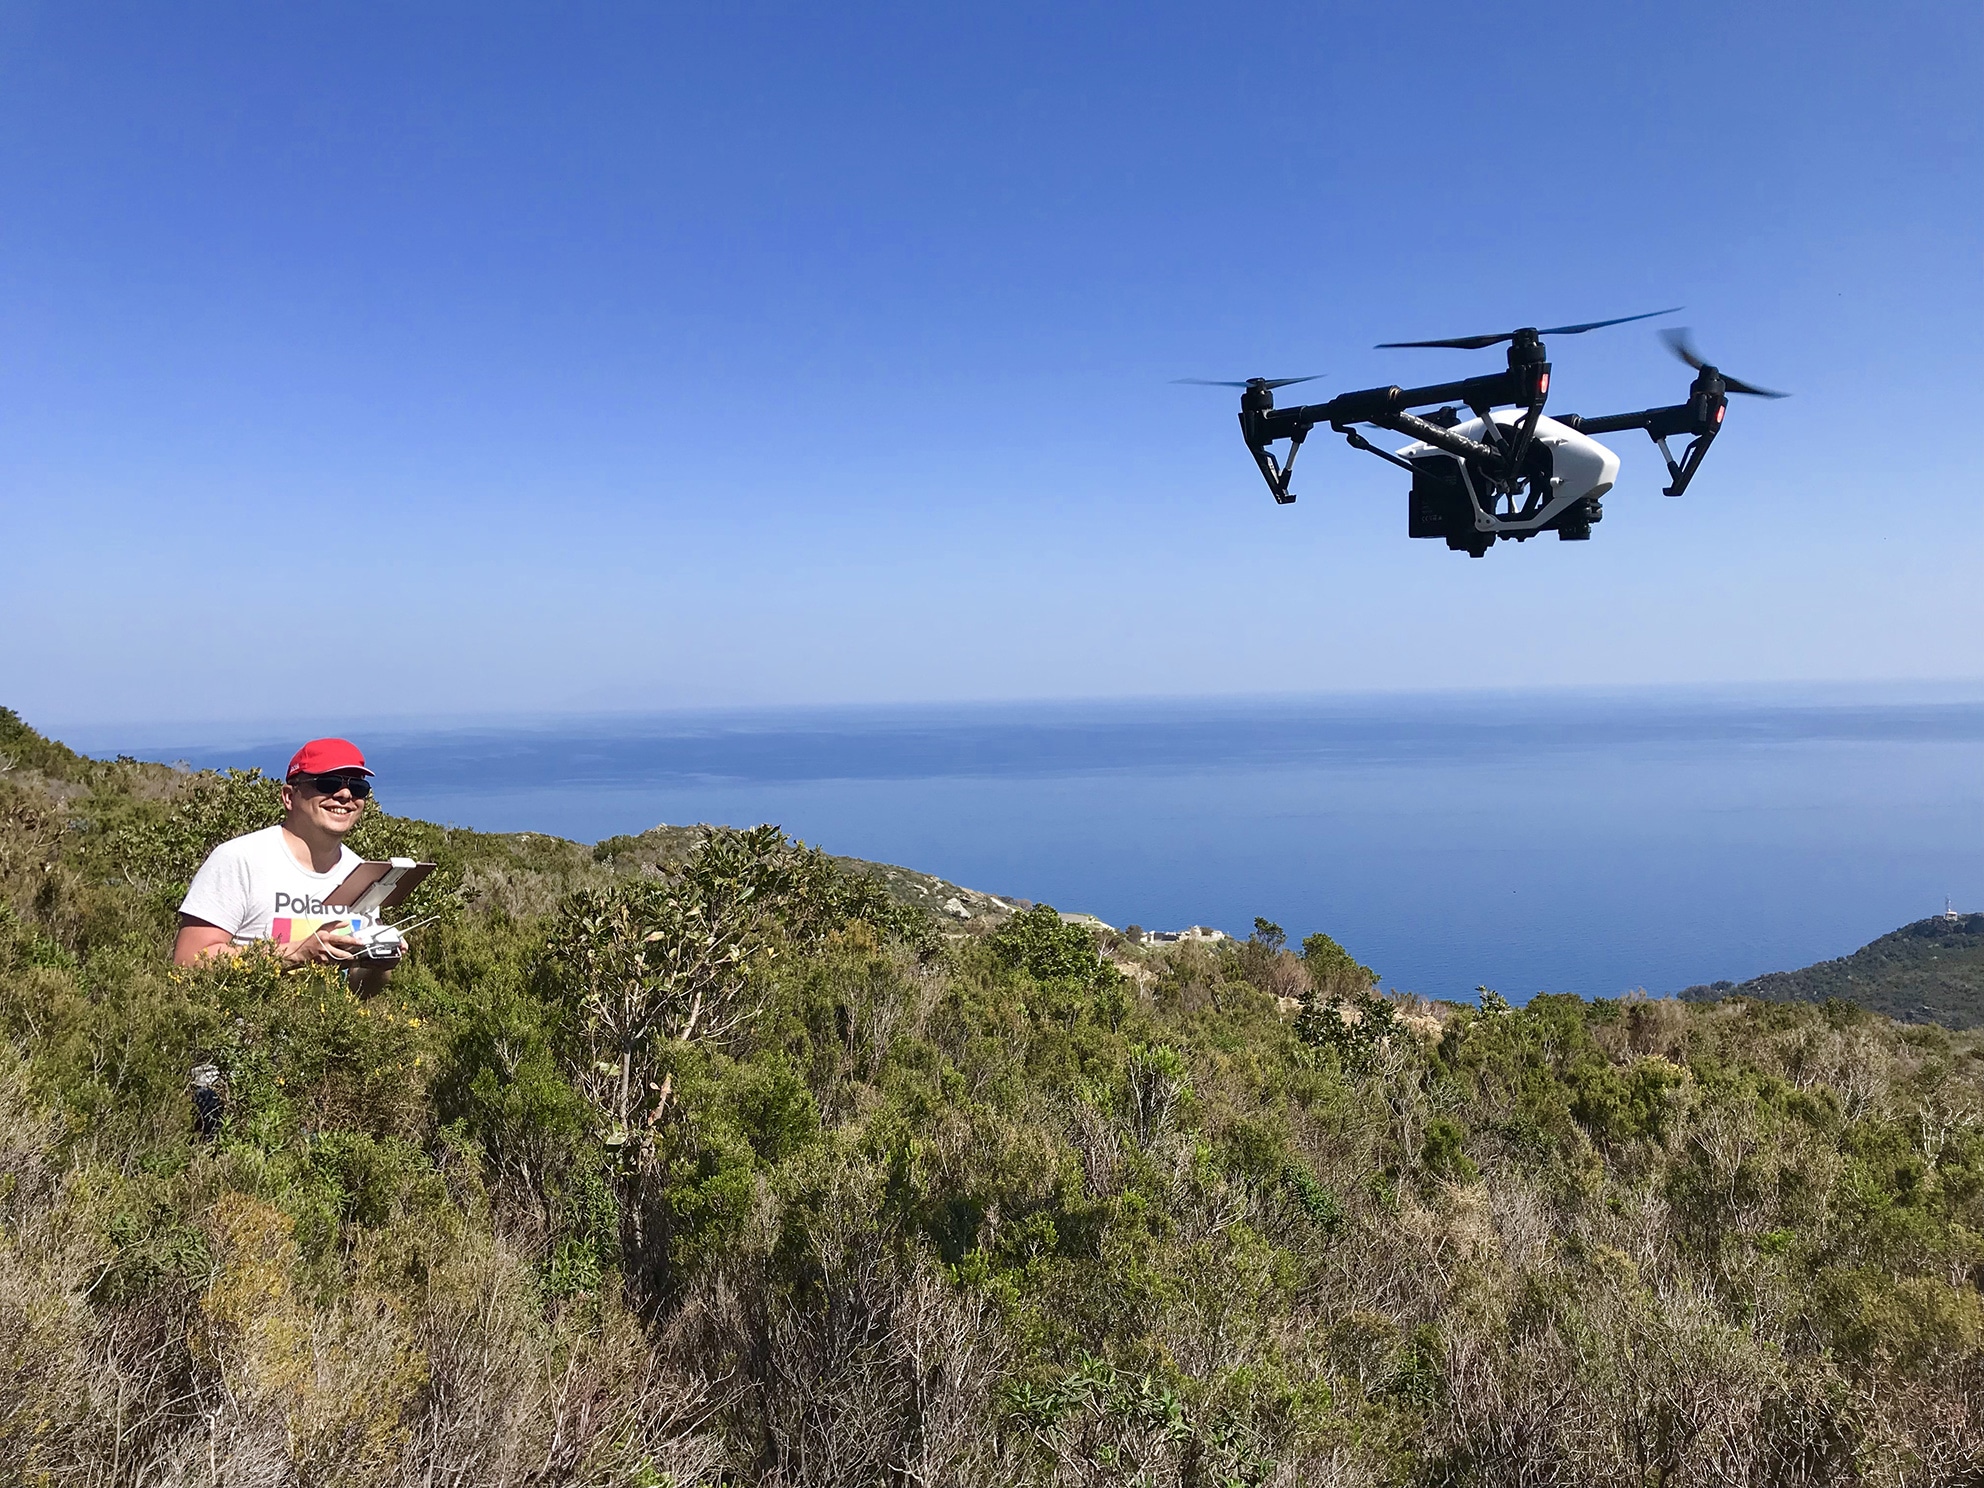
(694, 1158)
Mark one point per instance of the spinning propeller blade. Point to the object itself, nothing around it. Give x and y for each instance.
(1678, 343)
(1596, 325)
(1259, 382)
(1475, 343)
(1459, 343)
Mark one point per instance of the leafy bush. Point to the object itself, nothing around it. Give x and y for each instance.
(1333, 971)
(157, 851)
(1036, 942)
(1358, 1028)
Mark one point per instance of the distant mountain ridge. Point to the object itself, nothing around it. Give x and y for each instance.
(1929, 972)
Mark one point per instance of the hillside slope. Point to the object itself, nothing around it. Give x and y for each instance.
(698, 1158)
(1929, 972)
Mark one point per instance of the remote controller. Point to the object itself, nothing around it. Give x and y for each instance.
(379, 942)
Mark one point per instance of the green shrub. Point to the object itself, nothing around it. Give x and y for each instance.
(1036, 942)
(1444, 1153)
(1333, 971)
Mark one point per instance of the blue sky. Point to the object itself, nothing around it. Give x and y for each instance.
(432, 360)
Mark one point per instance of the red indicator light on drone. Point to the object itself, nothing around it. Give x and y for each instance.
(1719, 411)
(1542, 384)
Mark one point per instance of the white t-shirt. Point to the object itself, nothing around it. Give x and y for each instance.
(253, 888)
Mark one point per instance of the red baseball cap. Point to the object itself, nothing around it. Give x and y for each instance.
(322, 756)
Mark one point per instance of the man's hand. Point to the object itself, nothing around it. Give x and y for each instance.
(321, 946)
(198, 941)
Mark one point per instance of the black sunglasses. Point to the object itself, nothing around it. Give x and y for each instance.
(330, 785)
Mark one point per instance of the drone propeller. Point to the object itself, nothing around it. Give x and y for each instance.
(1475, 343)
(1269, 383)
(1678, 343)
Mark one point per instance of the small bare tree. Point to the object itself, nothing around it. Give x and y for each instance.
(672, 960)
(1156, 1083)
(653, 964)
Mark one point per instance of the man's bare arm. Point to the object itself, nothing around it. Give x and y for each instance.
(198, 940)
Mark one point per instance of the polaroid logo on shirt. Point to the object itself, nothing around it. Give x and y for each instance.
(298, 904)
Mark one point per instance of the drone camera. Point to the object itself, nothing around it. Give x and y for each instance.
(1575, 524)
(1439, 504)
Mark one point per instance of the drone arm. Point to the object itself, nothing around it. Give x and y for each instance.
(1615, 423)
(1386, 407)
(1526, 431)
(1446, 439)
(1703, 422)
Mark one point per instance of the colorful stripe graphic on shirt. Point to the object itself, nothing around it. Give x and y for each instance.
(285, 929)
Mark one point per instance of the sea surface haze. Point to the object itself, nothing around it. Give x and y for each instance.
(1579, 842)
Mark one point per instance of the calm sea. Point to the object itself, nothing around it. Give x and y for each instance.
(1565, 842)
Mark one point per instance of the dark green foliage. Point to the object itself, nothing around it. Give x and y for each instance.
(1315, 1201)
(1121, 1427)
(1444, 1154)
(1929, 972)
(21, 748)
(681, 958)
(1333, 971)
(1620, 1105)
(1358, 1027)
(157, 851)
(1036, 942)
(652, 975)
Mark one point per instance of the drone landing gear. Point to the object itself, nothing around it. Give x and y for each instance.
(1277, 473)
(1681, 471)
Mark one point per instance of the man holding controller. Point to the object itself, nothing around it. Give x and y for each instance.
(270, 885)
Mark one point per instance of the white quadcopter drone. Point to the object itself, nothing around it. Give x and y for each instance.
(1509, 471)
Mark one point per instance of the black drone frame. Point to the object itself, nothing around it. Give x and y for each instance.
(1700, 417)
(1525, 384)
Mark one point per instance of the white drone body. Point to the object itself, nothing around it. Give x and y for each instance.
(1580, 469)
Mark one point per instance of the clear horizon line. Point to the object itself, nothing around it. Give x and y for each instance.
(188, 730)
